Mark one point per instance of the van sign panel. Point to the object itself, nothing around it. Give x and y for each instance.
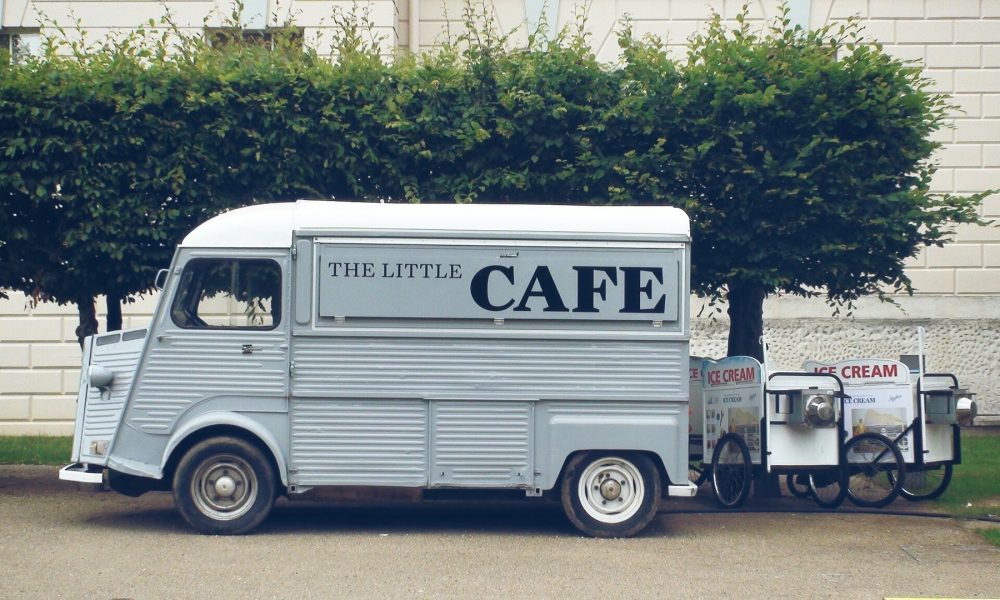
(494, 282)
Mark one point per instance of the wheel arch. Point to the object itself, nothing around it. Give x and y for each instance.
(217, 424)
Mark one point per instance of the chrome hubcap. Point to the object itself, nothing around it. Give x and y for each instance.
(611, 490)
(224, 487)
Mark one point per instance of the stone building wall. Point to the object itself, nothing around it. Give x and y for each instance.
(958, 300)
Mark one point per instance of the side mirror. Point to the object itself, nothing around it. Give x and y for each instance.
(161, 279)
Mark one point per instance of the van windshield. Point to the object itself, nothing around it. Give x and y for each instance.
(228, 294)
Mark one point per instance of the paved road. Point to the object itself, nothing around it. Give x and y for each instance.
(60, 542)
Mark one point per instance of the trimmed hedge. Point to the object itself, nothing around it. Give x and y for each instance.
(802, 157)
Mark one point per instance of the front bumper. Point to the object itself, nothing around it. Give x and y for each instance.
(82, 473)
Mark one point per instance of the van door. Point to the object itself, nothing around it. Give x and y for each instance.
(220, 345)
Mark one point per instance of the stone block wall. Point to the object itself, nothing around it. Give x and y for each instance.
(958, 300)
(40, 363)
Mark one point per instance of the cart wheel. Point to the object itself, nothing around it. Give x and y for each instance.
(610, 494)
(697, 473)
(731, 475)
(828, 488)
(798, 484)
(926, 484)
(874, 466)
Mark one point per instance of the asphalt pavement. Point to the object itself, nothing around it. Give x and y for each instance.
(60, 540)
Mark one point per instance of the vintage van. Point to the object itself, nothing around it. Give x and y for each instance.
(360, 346)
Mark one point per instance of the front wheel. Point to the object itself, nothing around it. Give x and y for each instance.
(731, 471)
(875, 468)
(224, 486)
(611, 494)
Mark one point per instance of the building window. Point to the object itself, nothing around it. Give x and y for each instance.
(15, 44)
(271, 38)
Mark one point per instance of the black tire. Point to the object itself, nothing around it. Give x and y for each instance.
(926, 484)
(875, 470)
(731, 471)
(798, 484)
(224, 486)
(610, 494)
(828, 488)
(698, 473)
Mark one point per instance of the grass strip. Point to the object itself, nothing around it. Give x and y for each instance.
(975, 484)
(992, 535)
(35, 450)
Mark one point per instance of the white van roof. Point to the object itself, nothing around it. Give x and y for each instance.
(273, 225)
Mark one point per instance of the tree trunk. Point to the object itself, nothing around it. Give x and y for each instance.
(746, 319)
(114, 302)
(746, 326)
(87, 311)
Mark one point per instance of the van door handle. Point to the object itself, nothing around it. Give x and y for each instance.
(250, 348)
(163, 338)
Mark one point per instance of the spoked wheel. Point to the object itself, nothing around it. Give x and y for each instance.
(925, 484)
(731, 471)
(828, 488)
(798, 484)
(610, 494)
(697, 473)
(875, 470)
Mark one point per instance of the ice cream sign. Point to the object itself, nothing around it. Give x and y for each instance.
(864, 371)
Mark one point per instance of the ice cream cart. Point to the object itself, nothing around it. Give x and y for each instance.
(793, 425)
(920, 413)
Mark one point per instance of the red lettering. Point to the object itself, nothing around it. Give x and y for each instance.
(738, 375)
(864, 371)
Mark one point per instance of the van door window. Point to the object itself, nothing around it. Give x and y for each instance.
(228, 294)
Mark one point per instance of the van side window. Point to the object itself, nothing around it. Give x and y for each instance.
(228, 294)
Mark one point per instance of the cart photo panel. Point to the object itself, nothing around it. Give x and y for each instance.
(734, 395)
(881, 400)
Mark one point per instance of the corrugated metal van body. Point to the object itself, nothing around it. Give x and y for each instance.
(360, 405)
(101, 410)
(483, 363)
(185, 369)
(196, 376)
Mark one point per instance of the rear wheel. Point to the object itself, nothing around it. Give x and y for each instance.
(224, 486)
(731, 471)
(698, 473)
(798, 484)
(828, 488)
(874, 467)
(926, 484)
(610, 494)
